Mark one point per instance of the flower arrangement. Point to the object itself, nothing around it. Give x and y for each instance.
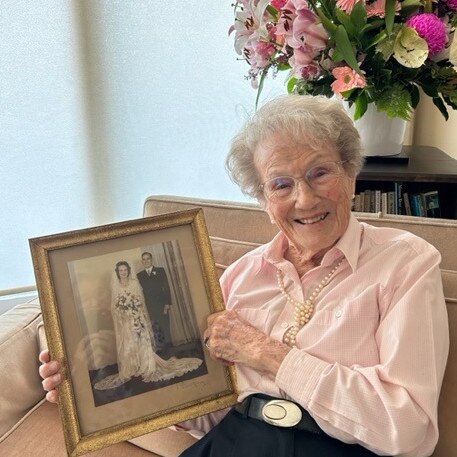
(363, 51)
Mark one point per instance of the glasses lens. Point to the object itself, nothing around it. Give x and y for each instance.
(323, 176)
(280, 187)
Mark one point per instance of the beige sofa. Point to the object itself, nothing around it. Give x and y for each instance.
(29, 426)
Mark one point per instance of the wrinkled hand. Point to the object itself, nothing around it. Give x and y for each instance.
(49, 371)
(231, 339)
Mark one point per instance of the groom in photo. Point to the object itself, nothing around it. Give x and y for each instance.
(157, 296)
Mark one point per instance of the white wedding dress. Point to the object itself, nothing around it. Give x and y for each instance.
(135, 341)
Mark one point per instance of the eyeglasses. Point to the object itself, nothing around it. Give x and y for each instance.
(319, 178)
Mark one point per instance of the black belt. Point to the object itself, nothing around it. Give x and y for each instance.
(278, 412)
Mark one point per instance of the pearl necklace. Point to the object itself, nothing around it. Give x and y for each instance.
(303, 310)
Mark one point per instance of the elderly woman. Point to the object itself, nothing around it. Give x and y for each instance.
(337, 329)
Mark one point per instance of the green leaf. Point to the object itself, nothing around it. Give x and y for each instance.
(409, 7)
(327, 7)
(390, 15)
(410, 3)
(428, 7)
(361, 105)
(326, 22)
(345, 20)
(372, 26)
(337, 57)
(386, 46)
(441, 106)
(429, 89)
(395, 102)
(359, 16)
(415, 95)
(381, 36)
(345, 48)
(283, 66)
(291, 84)
(274, 12)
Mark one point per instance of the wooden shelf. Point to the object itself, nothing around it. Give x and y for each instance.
(428, 169)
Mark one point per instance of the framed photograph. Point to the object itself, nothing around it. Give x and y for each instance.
(124, 309)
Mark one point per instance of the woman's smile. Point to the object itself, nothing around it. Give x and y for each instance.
(312, 220)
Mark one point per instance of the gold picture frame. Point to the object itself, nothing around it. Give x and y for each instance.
(83, 281)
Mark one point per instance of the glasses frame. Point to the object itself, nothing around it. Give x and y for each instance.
(304, 178)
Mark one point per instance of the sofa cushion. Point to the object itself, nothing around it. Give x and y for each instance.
(41, 434)
(19, 363)
(226, 251)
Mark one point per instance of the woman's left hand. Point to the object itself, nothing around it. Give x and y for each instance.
(231, 339)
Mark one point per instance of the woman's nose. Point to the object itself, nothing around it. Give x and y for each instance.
(305, 196)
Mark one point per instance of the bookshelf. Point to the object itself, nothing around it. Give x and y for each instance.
(427, 169)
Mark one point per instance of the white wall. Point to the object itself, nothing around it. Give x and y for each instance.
(104, 102)
(42, 131)
(431, 129)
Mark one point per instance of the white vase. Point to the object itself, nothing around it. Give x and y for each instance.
(380, 135)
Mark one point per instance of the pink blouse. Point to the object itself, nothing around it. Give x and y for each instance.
(369, 364)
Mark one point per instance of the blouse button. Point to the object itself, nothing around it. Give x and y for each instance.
(339, 313)
(284, 325)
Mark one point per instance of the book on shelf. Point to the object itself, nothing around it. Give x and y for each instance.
(407, 204)
(384, 206)
(377, 201)
(367, 201)
(398, 190)
(391, 202)
(431, 203)
(399, 200)
(417, 206)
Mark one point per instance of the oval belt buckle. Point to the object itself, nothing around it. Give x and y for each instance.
(281, 413)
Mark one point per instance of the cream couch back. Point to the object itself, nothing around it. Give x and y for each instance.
(236, 228)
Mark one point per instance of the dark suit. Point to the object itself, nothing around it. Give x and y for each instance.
(156, 290)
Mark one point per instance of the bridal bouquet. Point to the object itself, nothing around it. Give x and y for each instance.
(363, 51)
(129, 303)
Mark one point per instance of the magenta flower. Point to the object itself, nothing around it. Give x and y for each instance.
(431, 29)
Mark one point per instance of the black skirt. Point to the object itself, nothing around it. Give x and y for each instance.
(239, 436)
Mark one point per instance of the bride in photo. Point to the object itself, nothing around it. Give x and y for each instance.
(134, 336)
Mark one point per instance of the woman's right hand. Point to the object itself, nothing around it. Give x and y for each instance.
(49, 371)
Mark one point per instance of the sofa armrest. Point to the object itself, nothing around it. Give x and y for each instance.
(19, 350)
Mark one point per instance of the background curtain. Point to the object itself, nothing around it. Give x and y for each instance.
(183, 325)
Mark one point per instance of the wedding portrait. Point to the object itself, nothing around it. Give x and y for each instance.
(137, 320)
(125, 306)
